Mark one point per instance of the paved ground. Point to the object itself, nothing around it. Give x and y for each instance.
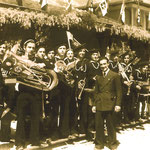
(131, 138)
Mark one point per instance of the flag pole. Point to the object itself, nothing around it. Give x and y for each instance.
(69, 44)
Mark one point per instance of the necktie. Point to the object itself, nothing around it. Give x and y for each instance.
(104, 74)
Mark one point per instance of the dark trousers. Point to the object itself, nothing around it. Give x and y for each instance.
(127, 107)
(28, 103)
(5, 130)
(83, 113)
(99, 126)
(142, 99)
(65, 97)
(52, 113)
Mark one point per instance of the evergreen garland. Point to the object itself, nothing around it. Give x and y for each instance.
(63, 19)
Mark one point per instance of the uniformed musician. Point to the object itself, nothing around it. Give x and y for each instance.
(28, 106)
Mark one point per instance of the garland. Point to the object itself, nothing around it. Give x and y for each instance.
(78, 18)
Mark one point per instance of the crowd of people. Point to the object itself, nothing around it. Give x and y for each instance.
(88, 89)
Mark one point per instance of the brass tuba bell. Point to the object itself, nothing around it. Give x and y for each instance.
(28, 73)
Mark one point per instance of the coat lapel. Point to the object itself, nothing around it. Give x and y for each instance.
(105, 80)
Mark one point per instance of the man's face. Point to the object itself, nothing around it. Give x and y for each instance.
(41, 53)
(30, 48)
(144, 69)
(70, 54)
(116, 59)
(81, 53)
(62, 50)
(95, 56)
(126, 59)
(104, 64)
(2, 49)
(107, 55)
(51, 54)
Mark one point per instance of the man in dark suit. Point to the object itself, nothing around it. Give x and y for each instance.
(107, 97)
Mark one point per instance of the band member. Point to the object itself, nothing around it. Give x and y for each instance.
(61, 51)
(7, 99)
(28, 104)
(70, 56)
(49, 98)
(93, 69)
(40, 54)
(81, 101)
(70, 61)
(126, 72)
(126, 66)
(93, 65)
(108, 95)
(142, 98)
(114, 63)
(64, 97)
(51, 59)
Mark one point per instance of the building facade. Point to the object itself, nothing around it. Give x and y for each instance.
(131, 12)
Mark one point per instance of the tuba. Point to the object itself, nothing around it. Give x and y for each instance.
(27, 72)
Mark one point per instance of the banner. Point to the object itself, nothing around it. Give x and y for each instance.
(103, 6)
(122, 12)
(69, 35)
(69, 7)
(138, 15)
(148, 21)
(43, 3)
(89, 5)
(71, 40)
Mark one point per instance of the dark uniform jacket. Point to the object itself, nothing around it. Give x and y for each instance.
(108, 91)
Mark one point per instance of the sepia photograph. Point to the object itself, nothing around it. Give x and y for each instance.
(74, 74)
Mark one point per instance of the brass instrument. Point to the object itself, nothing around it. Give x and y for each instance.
(133, 62)
(65, 70)
(145, 85)
(60, 66)
(29, 73)
(82, 84)
(124, 75)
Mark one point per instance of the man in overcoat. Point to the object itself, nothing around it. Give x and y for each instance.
(108, 95)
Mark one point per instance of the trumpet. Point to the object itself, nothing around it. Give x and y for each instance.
(82, 84)
(29, 73)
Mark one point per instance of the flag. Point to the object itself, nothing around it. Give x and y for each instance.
(138, 15)
(69, 35)
(89, 5)
(43, 4)
(69, 7)
(71, 40)
(149, 21)
(122, 12)
(103, 6)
